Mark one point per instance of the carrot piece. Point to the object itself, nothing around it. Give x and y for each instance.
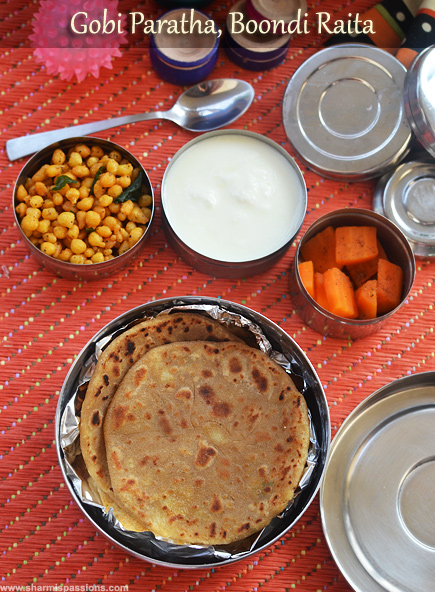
(306, 271)
(340, 294)
(321, 250)
(361, 272)
(319, 290)
(355, 244)
(390, 284)
(366, 300)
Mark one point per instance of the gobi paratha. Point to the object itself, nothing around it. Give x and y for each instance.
(206, 443)
(117, 359)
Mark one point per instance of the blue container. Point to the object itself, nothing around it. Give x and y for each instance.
(188, 56)
(247, 46)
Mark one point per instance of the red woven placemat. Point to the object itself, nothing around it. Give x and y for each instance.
(45, 540)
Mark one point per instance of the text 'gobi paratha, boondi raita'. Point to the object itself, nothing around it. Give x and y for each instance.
(205, 443)
(113, 364)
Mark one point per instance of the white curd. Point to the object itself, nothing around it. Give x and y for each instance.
(233, 197)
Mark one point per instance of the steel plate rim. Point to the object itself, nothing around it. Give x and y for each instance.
(391, 389)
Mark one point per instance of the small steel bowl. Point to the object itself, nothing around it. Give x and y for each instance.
(221, 268)
(304, 377)
(74, 271)
(398, 251)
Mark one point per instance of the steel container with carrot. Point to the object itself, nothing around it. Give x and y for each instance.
(353, 269)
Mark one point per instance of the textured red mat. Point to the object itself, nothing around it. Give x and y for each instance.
(45, 540)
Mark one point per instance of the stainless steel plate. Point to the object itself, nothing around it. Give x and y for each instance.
(377, 497)
(343, 112)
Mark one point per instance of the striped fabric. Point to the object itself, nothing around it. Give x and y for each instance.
(45, 321)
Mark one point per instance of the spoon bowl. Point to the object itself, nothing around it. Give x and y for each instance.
(212, 104)
(204, 107)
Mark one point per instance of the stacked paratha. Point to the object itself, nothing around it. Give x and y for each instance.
(113, 364)
(198, 442)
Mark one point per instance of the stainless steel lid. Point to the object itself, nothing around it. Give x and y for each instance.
(377, 498)
(343, 112)
(420, 98)
(407, 198)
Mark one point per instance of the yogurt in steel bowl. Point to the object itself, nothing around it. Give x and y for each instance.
(233, 201)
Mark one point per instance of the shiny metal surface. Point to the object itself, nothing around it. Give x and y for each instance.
(378, 194)
(215, 267)
(420, 98)
(398, 251)
(377, 498)
(305, 378)
(409, 201)
(343, 112)
(206, 106)
(65, 269)
(285, 10)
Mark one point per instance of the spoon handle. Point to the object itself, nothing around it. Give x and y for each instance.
(18, 147)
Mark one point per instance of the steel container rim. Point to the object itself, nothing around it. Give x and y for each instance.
(324, 427)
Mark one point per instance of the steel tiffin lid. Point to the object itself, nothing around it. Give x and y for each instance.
(419, 93)
(344, 112)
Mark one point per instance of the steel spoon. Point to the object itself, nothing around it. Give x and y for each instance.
(204, 107)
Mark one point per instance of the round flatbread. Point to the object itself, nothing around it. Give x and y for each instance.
(127, 520)
(113, 364)
(206, 443)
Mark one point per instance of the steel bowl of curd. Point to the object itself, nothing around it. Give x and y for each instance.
(232, 203)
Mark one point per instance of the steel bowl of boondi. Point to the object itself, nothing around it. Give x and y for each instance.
(84, 207)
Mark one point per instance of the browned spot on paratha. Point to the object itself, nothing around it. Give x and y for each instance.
(184, 394)
(130, 347)
(128, 485)
(165, 426)
(221, 409)
(177, 517)
(122, 415)
(235, 365)
(216, 504)
(205, 456)
(115, 459)
(260, 380)
(207, 393)
(96, 418)
(245, 526)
